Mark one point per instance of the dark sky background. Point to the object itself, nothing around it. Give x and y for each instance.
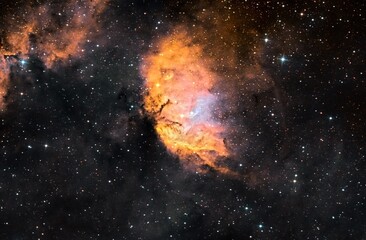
(80, 159)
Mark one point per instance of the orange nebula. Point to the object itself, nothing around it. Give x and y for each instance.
(179, 97)
(51, 39)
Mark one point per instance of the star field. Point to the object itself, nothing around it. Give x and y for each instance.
(98, 100)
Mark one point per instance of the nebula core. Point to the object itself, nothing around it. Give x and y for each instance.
(179, 82)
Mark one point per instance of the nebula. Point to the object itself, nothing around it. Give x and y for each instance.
(52, 33)
(180, 98)
(199, 77)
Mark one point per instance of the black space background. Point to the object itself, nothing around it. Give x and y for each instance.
(106, 175)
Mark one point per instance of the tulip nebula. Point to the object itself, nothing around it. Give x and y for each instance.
(180, 119)
(180, 98)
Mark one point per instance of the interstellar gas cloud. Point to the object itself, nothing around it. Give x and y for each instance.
(217, 119)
